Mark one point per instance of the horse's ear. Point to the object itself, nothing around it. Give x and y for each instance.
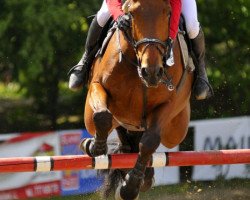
(125, 6)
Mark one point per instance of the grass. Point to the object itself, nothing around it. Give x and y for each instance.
(188, 190)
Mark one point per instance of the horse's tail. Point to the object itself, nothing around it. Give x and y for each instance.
(129, 143)
(112, 179)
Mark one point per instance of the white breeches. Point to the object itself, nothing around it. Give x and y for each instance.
(189, 11)
(103, 14)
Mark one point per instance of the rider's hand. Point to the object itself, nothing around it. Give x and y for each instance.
(123, 22)
(169, 42)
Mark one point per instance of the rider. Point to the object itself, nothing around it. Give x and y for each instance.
(79, 73)
(202, 89)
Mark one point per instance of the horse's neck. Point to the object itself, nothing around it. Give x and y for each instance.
(122, 53)
(116, 61)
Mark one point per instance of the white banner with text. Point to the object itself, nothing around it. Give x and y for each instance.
(231, 133)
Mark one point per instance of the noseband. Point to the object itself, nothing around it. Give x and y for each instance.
(149, 42)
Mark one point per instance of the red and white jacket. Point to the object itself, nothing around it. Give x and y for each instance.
(115, 8)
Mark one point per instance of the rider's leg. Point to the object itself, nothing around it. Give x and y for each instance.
(79, 73)
(202, 88)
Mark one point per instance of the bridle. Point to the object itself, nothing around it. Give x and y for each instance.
(147, 42)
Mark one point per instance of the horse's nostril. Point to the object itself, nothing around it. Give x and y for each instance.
(160, 72)
(144, 72)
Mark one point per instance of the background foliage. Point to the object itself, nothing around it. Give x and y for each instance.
(40, 40)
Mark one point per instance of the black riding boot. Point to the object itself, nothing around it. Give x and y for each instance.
(202, 89)
(79, 73)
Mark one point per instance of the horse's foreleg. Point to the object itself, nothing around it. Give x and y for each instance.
(130, 188)
(102, 120)
(130, 144)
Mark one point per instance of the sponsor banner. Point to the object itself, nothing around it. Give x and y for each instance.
(76, 182)
(4, 137)
(46, 144)
(32, 190)
(22, 185)
(232, 133)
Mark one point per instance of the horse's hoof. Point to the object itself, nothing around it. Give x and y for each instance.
(85, 146)
(129, 189)
(93, 147)
(149, 180)
(147, 185)
(118, 194)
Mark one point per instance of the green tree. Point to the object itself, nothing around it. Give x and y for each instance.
(226, 25)
(41, 39)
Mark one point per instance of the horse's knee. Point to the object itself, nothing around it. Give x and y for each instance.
(103, 121)
(149, 143)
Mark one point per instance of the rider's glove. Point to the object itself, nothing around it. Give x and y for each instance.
(170, 42)
(123, 22)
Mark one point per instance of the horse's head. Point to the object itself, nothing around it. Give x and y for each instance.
(150, 21)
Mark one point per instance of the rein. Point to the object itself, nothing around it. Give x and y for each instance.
(138, 66)
(136, 44)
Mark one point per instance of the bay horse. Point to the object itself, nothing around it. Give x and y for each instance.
(126, 92)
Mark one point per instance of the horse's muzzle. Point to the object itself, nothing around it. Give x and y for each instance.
(152, 75)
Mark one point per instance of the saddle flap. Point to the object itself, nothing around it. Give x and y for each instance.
(186, 57)
(106, 40)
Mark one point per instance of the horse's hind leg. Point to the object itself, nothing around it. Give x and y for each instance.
(129, 140)
(130, 188)
(101, 118)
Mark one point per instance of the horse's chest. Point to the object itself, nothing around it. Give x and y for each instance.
(126, 97)
(126, 104)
